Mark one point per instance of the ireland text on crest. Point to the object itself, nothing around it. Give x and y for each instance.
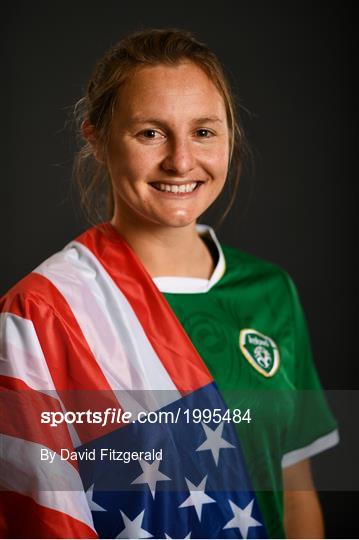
(260, 351)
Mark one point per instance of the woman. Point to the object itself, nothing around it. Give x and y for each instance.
(149, 312)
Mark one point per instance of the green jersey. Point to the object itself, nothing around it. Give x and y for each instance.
(248, 326)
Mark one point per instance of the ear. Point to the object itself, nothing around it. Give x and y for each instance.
(89, 133)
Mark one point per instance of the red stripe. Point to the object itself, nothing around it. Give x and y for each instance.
(22, 517)
(168, 338)
(77, 377)
(70, 361)
(23, 407)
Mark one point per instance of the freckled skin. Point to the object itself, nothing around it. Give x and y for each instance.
(170, 125)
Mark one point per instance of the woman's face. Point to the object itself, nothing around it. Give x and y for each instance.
(169, 146)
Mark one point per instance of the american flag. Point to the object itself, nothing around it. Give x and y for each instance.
(90, 321)
(198, 488)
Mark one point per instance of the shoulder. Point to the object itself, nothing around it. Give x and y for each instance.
(241, 265)
(29, 293)
(259, 280)
(37, 290)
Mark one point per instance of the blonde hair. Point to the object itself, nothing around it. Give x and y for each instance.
(145, 48)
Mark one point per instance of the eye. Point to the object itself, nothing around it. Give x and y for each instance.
(204, 133)
(150, 134)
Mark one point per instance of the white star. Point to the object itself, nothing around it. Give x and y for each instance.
(133, 529)
(197, 497)
(214, 441)
(188, 536)
(242, 519)
(150, 475)
(93, 506)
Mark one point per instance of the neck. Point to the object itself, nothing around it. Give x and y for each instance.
(167, 251)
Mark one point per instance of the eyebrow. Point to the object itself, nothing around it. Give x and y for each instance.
(207, 119)
(159, 121)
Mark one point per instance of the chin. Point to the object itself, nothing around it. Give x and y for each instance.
(180, 219)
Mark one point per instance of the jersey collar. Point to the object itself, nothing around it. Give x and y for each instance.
(191, 285)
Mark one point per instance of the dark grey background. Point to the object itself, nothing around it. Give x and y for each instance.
(293, 66)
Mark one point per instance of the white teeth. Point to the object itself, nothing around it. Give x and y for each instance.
(173, 188)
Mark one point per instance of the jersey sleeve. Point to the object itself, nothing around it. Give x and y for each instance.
(38, 498)
(313, 427)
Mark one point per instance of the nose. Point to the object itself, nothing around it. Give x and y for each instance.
(179, 157)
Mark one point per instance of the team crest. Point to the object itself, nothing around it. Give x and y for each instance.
(260, 351)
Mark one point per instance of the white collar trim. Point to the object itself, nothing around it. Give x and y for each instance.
(191, 285)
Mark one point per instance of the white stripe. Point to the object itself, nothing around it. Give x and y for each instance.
(111, 328)
(319, 445)
(54, 485)
(21, 357)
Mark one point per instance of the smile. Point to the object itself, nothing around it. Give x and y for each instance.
(176, 188)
